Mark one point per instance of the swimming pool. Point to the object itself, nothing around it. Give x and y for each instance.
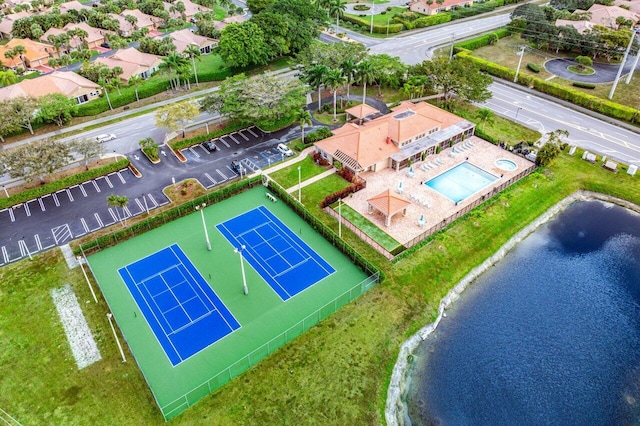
(461, 181)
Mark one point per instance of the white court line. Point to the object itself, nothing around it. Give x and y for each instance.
(55, 199)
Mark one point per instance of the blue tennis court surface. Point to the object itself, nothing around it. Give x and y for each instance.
(183, 311)
(282, 259)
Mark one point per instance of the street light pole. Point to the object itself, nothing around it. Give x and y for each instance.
(372, 7)
(624, 59)
(521, 54)
(517, 111)
(80, 260)
(244, 278)
(299, 186)
(204, 224)
(109, 315)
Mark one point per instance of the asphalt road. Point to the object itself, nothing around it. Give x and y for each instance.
(545, 115)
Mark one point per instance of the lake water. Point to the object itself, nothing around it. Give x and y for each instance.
(550, 335)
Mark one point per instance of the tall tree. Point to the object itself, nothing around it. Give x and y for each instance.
(135, 81)
(365, 74)
(119, 201)
(485, 115)
(333, 80)
(8, 77)
(56, 108)
(175, 117)
(87, 149)
(37, 160)
(348, 69)
(170, 65)
(243, 45)
(194, 53)
(336, 8)
(23, 110)
(303, 117)
(314, 77)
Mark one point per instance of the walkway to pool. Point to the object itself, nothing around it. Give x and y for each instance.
(433, 206)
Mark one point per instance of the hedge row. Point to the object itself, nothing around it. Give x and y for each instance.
(179, 144)
(428, 21)
(533, 67)
(481, 41)
(584, 85)
(378, 29)
(585, 100)
(49, 188)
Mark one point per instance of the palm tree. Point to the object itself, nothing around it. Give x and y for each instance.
(333, 80)
(336, 8)
(365, 74)
(10, 54)
(194, 52)
(132, 20)
(8, 78)
(348, 69)
(171, 64)
(314, 77)
(134, 81)
(118, 201)
(19, 50)
(303, 117)
(485, 115)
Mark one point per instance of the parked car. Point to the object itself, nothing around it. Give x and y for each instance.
(237, 166)
(105, 137)
(210, 146)
(284, 150)
(106, 45)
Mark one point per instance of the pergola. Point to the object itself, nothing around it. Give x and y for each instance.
(388, 204)
(360, 112)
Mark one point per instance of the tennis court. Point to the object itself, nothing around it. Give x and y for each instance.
(281, 258)
(183, 311)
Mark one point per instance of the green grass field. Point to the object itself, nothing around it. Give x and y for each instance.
(263, 316)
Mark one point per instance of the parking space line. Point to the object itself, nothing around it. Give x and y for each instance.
(242, 134)
(5, 255)
(139, 204)
(61, 233)
(38, 243)
(98, 220)
(84, 193)
(121, 178)
(69, 194)
(222, 174)
(113, 215)
(126, 212)
(13, 218)
(194, 152)
(84, 224)
(108, 181)
(251, 131)
(210, 178)
(224, 142)
(95, 184)
(55, 199)
(26, 208)
(234, 139)
(153, 200)
(42, 203)
(22, 247)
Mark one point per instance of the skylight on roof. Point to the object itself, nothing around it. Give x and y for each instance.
(404, 114)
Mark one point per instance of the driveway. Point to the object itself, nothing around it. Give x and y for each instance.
(605, 73)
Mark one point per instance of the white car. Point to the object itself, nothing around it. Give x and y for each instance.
(106, 137)
(284, 150)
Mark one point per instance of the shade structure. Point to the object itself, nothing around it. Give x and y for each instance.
(388, 204)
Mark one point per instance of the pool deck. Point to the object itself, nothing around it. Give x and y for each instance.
(425, 201)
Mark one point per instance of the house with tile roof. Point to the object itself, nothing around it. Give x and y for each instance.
(95, 36)
(67, 83)
(633, 5)
(184, 38)
(7, 21)
(581, 26)
(431, 7)
(606, 15)
(190, 9)
(407, 134)
(133, 62)
(72, 5)
(36, 56)
(143, 20)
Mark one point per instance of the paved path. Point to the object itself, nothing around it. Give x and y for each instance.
(605, 73)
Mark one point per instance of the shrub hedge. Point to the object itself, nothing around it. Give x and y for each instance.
(481, 41)
(533, 67)
(584, 85)
(67, 182)
(179, 144)
(378, 29)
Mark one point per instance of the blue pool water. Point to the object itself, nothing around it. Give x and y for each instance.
(461, 181)
(549, 336)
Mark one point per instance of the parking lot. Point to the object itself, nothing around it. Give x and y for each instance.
(61, 217)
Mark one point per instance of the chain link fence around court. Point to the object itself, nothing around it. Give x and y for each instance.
(219, 379)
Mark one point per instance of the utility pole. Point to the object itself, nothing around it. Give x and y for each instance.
(521, 54)
(624, 59)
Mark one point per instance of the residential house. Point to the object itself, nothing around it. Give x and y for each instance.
(633, 5)
(143, 20)
(125, 27)
(67, 83)
(219, 25)
(37, 54)
(431, 7)
(95, 37)
(407, 134)
(133, 62)
(581, 26)
(606, 15)
(72, 5)
(6, 23)
(190, 9)
(184, 38)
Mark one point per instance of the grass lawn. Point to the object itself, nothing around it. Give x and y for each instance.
(509, 131)
(327, 118)
(288, 176)
(378, 19)
(504, 53)
(361, 222)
